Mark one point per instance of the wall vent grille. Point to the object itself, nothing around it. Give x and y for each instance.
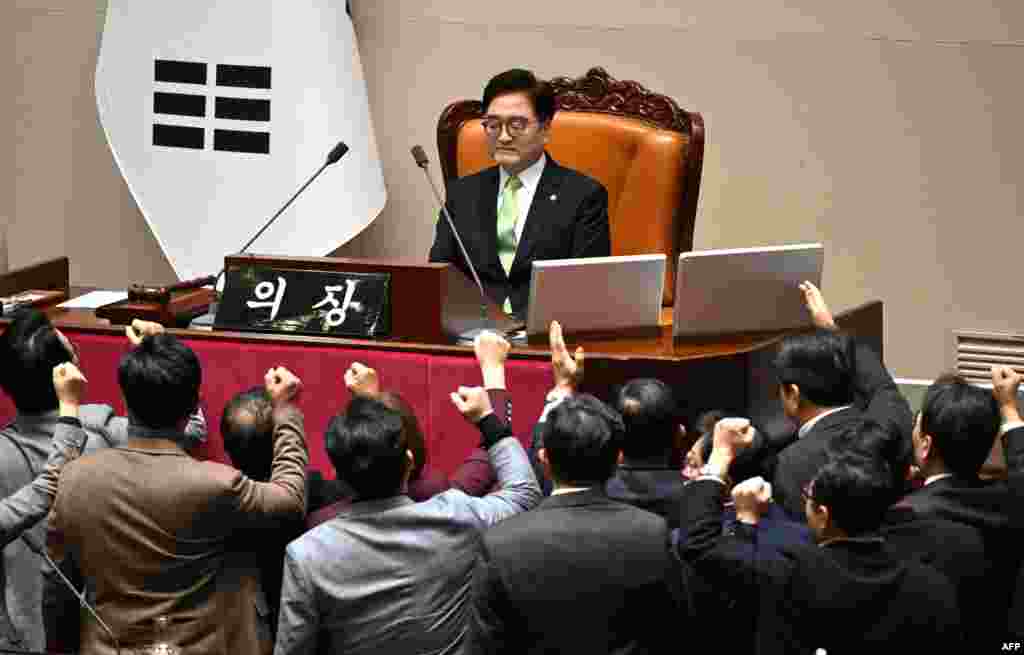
(974, 353)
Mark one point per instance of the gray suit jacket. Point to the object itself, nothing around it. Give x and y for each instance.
(25, 446)
(393, 576)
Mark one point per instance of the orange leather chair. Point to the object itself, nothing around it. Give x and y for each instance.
(646, 151)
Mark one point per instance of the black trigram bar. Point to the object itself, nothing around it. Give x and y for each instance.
(249, 77)
(243, 109)
(239, 141)
(180, 72)
(178, 136)
(179, 104)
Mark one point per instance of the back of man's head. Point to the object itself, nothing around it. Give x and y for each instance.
(872, 440)
(856, 489)
(160, 380)
(29, 350)
(821, 364)
(651, 418)
(963, 421)
(247, 426)
(582, 438)
(367, 446)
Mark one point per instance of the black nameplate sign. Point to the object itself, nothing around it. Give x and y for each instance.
(267, 299)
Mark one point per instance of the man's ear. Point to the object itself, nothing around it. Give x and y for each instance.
(927, 446)
(620, 458)
(542, 455)
(825, 513)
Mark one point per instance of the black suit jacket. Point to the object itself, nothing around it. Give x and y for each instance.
(653, 486)
(851, 596)
(568, 218)
(579, 574)
(798, 460)
(994, 511)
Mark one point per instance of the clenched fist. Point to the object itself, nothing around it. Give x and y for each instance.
(282, 385)
(140, 329)
(361, 380)
(69, 385)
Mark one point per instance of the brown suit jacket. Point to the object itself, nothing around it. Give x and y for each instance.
(149, 527)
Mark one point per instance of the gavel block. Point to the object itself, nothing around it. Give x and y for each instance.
(178, 310)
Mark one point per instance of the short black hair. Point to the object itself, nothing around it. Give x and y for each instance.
(29, 350)
(875, 441)
(582, 437)
(160, 380)
(856, 490)
(366, 444)
(518, 80)
(247, 426)
(650, 416)
(963, 421)
(821, 363)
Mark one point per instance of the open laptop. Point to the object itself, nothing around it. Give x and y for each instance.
(596, 293)
(744, 289)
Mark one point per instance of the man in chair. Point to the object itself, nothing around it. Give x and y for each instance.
(526, 208)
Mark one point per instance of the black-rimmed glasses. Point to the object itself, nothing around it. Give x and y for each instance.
(515, 125)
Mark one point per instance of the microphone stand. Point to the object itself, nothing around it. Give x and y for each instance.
(486, 324)
(336, 153)
(39, 550)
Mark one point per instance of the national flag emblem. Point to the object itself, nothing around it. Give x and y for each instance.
(217, 110)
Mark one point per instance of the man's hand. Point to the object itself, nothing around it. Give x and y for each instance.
(140, 329)
(361, 380)
(1005, 385)
(282, 385)
(568, 369)
(473, 403)
(752, 498)
(69, 384)
(821, 316)
(491, 351)
(733, 435)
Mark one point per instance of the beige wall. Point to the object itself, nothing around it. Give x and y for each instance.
(887, 130)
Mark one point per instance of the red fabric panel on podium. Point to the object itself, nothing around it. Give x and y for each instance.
(452, 437)
(425, 381)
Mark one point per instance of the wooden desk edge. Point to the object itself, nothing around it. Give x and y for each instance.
(656, 348)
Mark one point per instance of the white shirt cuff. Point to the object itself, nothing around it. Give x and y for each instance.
(1010, 425)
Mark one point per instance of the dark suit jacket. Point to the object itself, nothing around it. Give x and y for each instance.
(653, 486)
(851, 596)
(876, 397)
(568, 218)
(580, 574)
(993, 510)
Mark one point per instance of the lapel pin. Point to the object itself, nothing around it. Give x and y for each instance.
(554, 197)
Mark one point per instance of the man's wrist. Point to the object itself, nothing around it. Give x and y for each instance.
(749, 518)
(69, 409)
(719, 462)
(492, 430)
(1010, 413)
(494, 377)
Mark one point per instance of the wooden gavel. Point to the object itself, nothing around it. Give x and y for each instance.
(162, 295)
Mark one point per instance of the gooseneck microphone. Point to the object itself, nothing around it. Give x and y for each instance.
(420, 156)
(336, 153)
(39, 550)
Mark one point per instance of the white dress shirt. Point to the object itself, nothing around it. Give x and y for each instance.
(530, 179)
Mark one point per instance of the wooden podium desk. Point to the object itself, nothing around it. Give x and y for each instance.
(733, 373)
